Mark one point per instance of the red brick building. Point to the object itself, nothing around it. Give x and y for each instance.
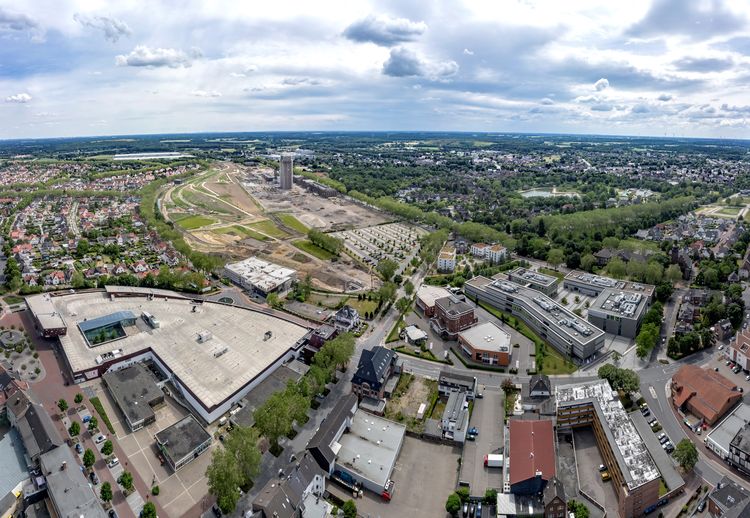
(452, 315)
(704, 393)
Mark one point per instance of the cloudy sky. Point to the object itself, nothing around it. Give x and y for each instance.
(638, 67)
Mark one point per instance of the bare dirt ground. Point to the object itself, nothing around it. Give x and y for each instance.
(417, 393)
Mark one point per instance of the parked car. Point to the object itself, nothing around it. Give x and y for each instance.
(94, 479)
(646, 412)
(721, 347)
(737, 369)
(664, 439)
(473, 430)
(470, 437)
(217, 512)
(606, 476)
(112, 513)
(701, 506)
(479, 510)
(479, 395)
(602, 467)
(79, 447)
(729, 362)
(716, 369)
(661, 435)
(466, 510)
(100, 438)
(114, 461)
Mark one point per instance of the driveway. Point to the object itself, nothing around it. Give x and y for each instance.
(487, 416)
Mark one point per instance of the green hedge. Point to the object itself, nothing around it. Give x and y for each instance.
(102, 414)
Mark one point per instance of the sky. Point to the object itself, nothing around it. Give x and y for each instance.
(635, 67)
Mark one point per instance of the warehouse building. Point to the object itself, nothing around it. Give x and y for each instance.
(486, 343)
(532, 455)
(704, 393)
(260, 277)
(561, 328)
(212, 353)
(634, 472)
(135, 393)
(618, 312)
(183, 442)
(547, 284)
(592, 285)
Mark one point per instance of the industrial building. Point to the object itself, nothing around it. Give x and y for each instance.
(260, 277)
(704, 393)
(286, 172)
(486, 343)
(634, 472)
(592, 285)
(618, 312)
(358, 448)
(182, 442)
(135, 393)
(533, 461)
(565, 331)
(213, 354)
(720, 437)
(547, 284)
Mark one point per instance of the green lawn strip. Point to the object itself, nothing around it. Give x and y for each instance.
(293, 223)
(476, 366)
(314, 250)
(102, 414)
(196, 221)
(269, 228)
(553, 273)
(554, 362)
(424, 355)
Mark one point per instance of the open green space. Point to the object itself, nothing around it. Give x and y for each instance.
(269, 228)
(363, 306)
(553, 273)
(195, 221)
(634, 245)
(314, 250)
(729, 211)
(293, 223)
(239, 230)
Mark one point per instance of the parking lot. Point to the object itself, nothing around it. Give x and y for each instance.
(179, 491)
(719, 361)
(396, 241)
(487, 416)
(589, 459)
(420, 464)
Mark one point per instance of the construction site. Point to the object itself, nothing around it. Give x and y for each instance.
(240, 212)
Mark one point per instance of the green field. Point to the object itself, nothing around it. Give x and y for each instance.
(241, 231)
(363, 306)
(729, 211)
(193, 222)
(269, 228)
(314, 250)
(293, 223)
(634, 244)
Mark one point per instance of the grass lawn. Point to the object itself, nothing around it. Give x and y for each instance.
(553, 273)
(242, 231)
(632, 243)
(13, 299)
(395, 331)
(293, 223)
(363, 306)
(314, 250)
(729, 211)
(269, 228)
(554, 362)
(662, 488)
(193, 222)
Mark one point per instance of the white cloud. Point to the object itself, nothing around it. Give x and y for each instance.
(112, 28)
(601, 84)
(205, 93)
(403, 62)
(21, 98)
(143, 56)
(384, 30)
(468, 52)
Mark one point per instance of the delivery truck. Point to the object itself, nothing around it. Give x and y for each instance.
(493, 460)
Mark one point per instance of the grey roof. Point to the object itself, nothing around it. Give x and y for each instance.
(731, 428)
(112, 318)
(729, 495)
(554, 488)
(664, 464)
(182, 438)
(540, 382)
(275, 381)
(373, 365)
(281, 497)
(455, 406)
(456, 378)
(37, 431)
(67, 487)
(135, 390)
(741, 441)
(14, 468)
(320, 444)
(453, 305)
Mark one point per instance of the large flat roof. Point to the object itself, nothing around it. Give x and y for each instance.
(619, 303)
(723, 433)
(632, 456)
(600, 282)
(487, 336)
(263, 274)
(429, 294)
(134, 388)
(543, 308)
(67, 486)
(371, 447)
(532, 277)
(213, 370)
(182, 438)
(45, 311)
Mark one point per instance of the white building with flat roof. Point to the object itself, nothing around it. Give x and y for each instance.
(259, 276)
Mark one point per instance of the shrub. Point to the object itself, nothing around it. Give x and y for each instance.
(78, 398)
(155, 490)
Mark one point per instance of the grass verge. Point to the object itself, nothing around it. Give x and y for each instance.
(293, 223)
(314, 250)
(102, 414)
(269, 228)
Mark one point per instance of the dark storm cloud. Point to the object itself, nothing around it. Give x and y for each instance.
(688, 18)
(403, 62)
(384, 30)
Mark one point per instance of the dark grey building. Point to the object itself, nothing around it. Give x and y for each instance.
(375, 367)
(182, 442)
(136, 394)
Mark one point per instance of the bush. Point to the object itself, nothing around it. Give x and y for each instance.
(107, 447)
(102, 414)
(155, 490)
(78, 398)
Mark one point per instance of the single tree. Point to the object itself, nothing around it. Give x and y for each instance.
(402, 304)
(490, 496)
(148, 511)
(386, 268)
(107, 447)
(105, 493)
(453, 504)
(555, 257)
(224, 479)
(126, 480)
(578, 509)
(274, 419)
(88, 458)
(686, 454)
(273, 300)
(74, 428)
(350, 509)
(408, 287)
(93, 423)
(62, 405)
(242, 442)
(78, 398)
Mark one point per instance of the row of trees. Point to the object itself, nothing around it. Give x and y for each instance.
(325, 241)
(648, 336)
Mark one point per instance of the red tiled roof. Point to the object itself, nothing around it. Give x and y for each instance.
(532, 449)
(708, 392)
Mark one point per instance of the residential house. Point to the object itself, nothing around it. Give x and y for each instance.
(346, 319)
(375, 367)
(729, 500)
(553, 497)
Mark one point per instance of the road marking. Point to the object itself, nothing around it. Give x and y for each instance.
(653, 392)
